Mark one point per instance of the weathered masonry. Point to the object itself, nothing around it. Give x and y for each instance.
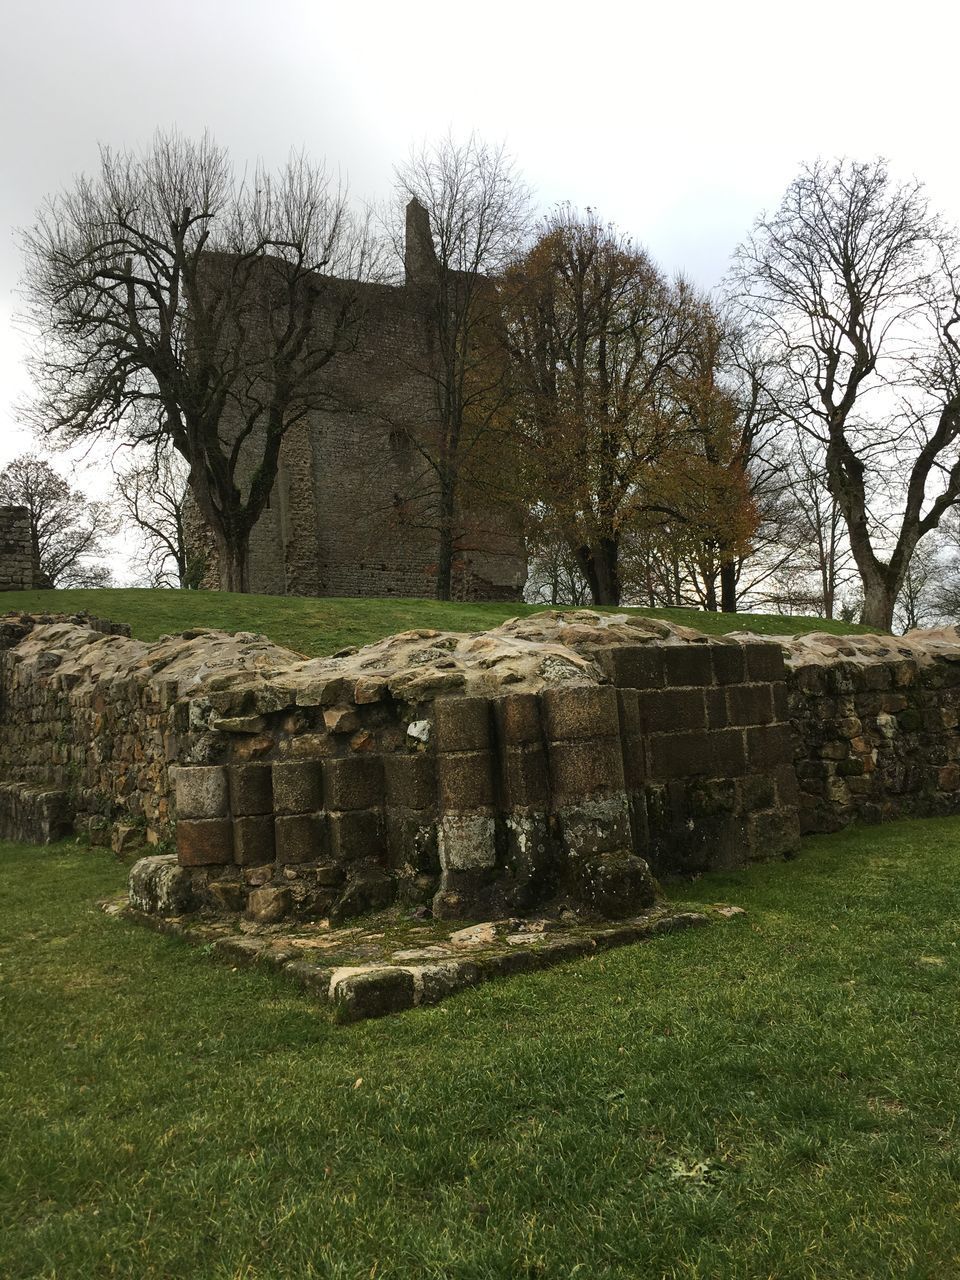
(351, 513)
(18, 568)
(557, 759)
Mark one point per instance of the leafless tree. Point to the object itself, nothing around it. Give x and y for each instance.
(469, 209)
(553, 576)
(171, 300)
(66, 528)
(154, 496)
(854, 281)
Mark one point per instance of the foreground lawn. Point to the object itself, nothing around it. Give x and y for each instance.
(317, 627)
(773, 1097)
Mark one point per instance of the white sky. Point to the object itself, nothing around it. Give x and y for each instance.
(678, 121)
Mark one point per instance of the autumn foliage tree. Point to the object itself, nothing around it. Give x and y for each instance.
(626, 426)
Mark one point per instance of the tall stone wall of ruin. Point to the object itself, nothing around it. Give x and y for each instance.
(18, 571)
(353, 510)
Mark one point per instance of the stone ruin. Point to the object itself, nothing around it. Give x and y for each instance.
(553, 766)
(556, 758)
(561, 758)
(18, 565)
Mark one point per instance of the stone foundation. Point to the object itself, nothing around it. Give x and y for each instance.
(557, 761)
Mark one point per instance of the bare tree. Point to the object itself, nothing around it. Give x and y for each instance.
(66, 528)
(462, 210)
(554, 577)
(172, 301)
(854, 281)
(154, 495)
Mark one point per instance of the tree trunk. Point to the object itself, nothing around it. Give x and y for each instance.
(600, 565)
(445, 543)
(728, 586)
(879, 598)
(232, 560)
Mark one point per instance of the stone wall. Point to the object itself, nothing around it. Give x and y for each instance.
(559, 759)
(18, 571)
(876, 740)
(352, 512)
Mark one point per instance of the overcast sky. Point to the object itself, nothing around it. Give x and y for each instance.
(678, 121)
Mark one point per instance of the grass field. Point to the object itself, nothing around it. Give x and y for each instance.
(315, 627)
(773, 1097)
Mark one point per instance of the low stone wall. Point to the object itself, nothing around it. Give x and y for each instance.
(876, 740)
(562, 759)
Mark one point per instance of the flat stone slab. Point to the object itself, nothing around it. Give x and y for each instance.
(391, 962)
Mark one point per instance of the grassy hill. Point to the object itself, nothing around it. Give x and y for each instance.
(317, 627)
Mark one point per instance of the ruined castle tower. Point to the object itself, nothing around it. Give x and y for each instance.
(19, 570)
(349, 515)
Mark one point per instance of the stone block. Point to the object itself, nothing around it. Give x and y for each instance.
(672, 710)
(465, 781)
(204, 842)
(462, 724)
(251, 789)
(269, 905)
(583, 711)
(599, 825)
(729, 663)
(729, 754)
(524, 778)
(774, 833)
(367, 889)
(356, 834)
(201, 791)
(764, 662)
(517, 719)
(628, 705)
(341, 720)
(769, 746)
(750, 704)
(253, 840)
(634, 763)
(297, 786)
(781, 700)
(688, 664)
(411, 841)
(410, 780)
(355, 782)
(586, 767)
(466, 842)
(615, 885)
(530, 850)
(715, 701)
(681, 755)
(758, 791)
(370, 993)
(300, 837)
(633, 666)
(158, 885)
(788, 789)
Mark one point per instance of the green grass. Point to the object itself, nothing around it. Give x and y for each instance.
(773, 1097)
(315, 627)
